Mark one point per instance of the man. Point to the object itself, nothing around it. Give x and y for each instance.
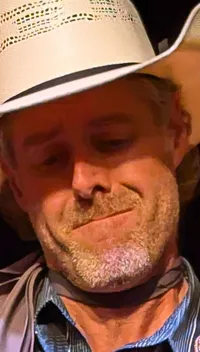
(95, 171)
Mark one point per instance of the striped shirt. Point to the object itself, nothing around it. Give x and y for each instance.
(56, 332)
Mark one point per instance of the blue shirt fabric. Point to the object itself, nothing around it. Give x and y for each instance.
(56, 332)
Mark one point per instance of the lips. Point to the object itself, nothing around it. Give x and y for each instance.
(102, 207)
(99, 218)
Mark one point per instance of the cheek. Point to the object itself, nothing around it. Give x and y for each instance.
(47, 194)
(47, 210)
(54, 204)
(145, 174)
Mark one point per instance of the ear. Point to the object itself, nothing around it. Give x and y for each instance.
(14, 183)
(179, 124)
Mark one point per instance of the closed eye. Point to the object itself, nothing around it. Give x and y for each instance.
(53, 162)
(112, 145)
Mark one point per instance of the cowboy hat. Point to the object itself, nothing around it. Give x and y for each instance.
(54, 48)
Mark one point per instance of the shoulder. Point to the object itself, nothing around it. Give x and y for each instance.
(16, 276)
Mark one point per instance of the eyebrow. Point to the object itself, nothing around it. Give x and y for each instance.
(40, 138)
(44, 137)
(111, 120)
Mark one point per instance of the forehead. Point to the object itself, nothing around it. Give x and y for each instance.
(120, 97)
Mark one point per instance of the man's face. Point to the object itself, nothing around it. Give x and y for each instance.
(96, 175)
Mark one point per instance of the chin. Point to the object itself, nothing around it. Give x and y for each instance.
(110, 288)
(116, 270)
(113, 285)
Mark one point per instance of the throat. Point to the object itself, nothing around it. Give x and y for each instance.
(108, 329)
(110, 321)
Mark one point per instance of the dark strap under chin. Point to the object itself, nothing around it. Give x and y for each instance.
(155, 287)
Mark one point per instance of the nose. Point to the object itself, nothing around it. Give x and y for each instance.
(88, 179)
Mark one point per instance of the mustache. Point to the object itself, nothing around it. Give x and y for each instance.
(103, 205)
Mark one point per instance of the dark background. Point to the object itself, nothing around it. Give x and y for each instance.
(164, 18)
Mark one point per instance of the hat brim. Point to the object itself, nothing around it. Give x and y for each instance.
(180, 63)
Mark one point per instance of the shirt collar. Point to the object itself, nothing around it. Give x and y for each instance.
(180, 328)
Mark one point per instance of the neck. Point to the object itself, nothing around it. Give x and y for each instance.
(117, 326)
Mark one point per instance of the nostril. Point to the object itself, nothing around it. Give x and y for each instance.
(99, 188)
(83, 194)
(86, 197)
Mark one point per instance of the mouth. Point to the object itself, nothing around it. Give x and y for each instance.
(96, 219)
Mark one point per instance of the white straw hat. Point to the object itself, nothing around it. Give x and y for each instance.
(54, 48)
